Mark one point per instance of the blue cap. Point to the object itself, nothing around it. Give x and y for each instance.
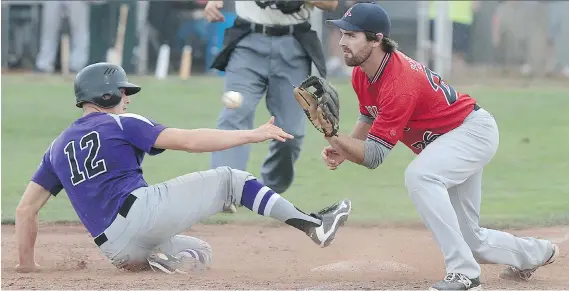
(364, 17)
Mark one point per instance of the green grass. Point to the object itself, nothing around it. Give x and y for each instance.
(525, 184)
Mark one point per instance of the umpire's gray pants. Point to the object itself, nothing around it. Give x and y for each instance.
(261, 64)
(52, 18)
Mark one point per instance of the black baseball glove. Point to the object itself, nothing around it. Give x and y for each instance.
(321, 103)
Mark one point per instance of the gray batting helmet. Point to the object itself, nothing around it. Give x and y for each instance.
(100, 84)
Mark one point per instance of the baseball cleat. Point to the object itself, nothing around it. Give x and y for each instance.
(513, 273)
(165, 263)
(193, 260)
(456, 281)
(332, 218)
(231, 209)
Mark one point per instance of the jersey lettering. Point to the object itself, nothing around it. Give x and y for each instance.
(76, 175)
(92, 166)
(414, 104)
(428, 138)
(437, 82)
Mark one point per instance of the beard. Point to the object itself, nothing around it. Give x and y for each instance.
(358, 58)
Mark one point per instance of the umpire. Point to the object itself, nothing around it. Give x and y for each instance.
(268, 50)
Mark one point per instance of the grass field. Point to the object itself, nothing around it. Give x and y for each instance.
(526, 183)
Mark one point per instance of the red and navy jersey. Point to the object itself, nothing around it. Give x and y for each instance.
(409, 102)
(97, 160)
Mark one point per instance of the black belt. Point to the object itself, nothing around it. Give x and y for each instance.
(273, 30)
(123, 211)
(476, 107)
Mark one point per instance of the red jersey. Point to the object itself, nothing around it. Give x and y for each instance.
(409, 102)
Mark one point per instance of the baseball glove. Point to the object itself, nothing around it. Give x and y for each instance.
(321, 104)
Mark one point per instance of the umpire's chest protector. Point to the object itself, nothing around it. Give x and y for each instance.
(303, 33)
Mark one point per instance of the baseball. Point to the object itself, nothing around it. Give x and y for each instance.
(232, 99)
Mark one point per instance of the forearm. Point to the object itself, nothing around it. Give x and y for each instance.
(349, 147)
(352, 146)
(362, 127)
(324, 5)
(367, 153)
(26, 234)
(211, 140)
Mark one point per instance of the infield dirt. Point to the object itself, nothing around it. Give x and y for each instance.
(270, 257)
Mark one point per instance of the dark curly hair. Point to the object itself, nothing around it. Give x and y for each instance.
(388, 45)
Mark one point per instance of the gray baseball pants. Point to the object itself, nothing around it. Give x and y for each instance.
(164, 210)
(268, 65)
(445, 183)
(78, 14)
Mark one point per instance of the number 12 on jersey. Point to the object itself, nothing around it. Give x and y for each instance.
(92, 166)
(437, 82)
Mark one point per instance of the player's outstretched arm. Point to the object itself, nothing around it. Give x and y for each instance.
(33, 200)
(211, 140)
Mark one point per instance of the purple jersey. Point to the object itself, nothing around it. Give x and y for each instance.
(97, 161)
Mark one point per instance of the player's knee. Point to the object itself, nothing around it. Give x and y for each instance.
(475, 241)
(237, 176)
(234, 181)
(479, 252)
(230, 174)
(413, 176)
(418, 176)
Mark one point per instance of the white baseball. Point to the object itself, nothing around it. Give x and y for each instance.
(232, 99)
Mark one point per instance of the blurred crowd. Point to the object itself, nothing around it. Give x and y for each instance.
(533, 35)
(521, 37)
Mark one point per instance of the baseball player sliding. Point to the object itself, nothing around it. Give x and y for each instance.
(97, 160)
(402, 100)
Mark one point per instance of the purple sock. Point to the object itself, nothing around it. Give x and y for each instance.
(264, 201)
(256, 197)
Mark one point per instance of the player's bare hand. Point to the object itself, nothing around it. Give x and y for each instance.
(332, 158)
(212, 13)
(270, 131)
(27, 268)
